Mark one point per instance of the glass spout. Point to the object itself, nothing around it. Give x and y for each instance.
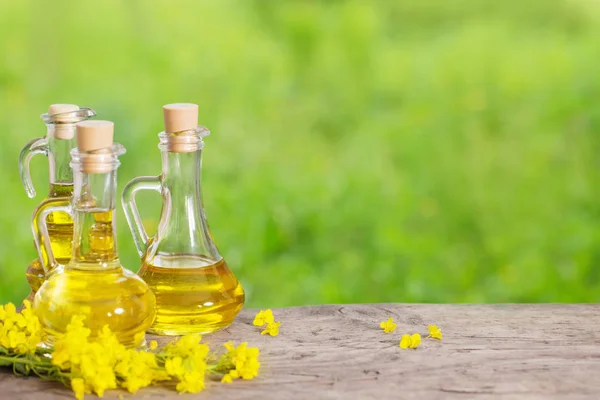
(56, 145)
(70, 117)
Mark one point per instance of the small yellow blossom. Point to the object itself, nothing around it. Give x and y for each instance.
(239, 362)
(272, 329)
(138, 369)
(264, 317)
(92, 361)
(410, 341)
(229, 346)
(19, 332)
(188, 345)
(187, 363)
(69, 348)
(191, 382)
(227, 379)
(435, 332)
(153, 345)
(174, 366)
(388, 326)
(97, 369)
(78, 388)
(110, 345)
(139, 338)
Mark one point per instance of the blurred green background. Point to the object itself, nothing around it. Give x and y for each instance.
(406, 151)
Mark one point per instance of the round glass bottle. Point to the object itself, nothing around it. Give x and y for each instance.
(195, 290)
(93, 283)
(60, 122)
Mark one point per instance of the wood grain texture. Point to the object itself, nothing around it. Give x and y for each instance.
(339, 352)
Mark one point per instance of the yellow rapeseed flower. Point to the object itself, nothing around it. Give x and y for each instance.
(94, 365)
(410, 341)
(93, 362)
(240, 362)
(388, 326)
(69, 348)
(188, 345)
(78, 387)
(19, 332)
(138, 369)
(435, 332)
(8, 311)
(187, 363)
(264, 317)
(110, 345)
(174, 366)
(191, 382)
(271, 329)
(96, 368)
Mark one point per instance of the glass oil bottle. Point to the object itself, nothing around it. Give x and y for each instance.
(93, 283)
(60, 139)
(195, 290)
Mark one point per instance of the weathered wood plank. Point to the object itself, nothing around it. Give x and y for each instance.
(339, 352)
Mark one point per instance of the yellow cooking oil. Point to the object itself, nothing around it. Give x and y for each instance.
(194, 294)
(95, 285)
(60, 230)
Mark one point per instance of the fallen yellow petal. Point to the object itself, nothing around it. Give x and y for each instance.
(271, 329)
(405, 341)
(388, 326)
(415, 341)
(78, 387)
(435, 332)
(263, 317)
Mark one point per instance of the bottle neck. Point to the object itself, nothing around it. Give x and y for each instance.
(183, 221)
(61, 141)
(181, 173)
(94, 222)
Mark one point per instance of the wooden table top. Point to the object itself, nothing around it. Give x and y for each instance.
(543, 351)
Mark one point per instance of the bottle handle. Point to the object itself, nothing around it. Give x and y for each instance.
(39, 226)
(36, 146)
(140, 237)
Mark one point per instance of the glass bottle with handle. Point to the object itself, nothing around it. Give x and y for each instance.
(93, 284)
(60, 121)
(195, 290)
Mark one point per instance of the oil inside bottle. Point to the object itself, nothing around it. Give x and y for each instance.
(94, 284)
(60, 230)
(196, 294)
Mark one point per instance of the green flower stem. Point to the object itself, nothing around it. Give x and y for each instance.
(39, 366)
(10, 360)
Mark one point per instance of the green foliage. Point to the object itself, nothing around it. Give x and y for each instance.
(403, 151)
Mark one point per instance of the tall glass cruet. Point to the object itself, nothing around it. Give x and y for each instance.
(93, 284)
(195, 290)
(60, 121)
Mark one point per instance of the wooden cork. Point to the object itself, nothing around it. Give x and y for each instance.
(61, 109)
(94, 141)
(63, 118)
(181, 121)
(180, 117)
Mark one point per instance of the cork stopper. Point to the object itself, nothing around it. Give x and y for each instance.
(62, 108)
(95, 138)
(181, 121)
(61, 115)
(180, 117)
